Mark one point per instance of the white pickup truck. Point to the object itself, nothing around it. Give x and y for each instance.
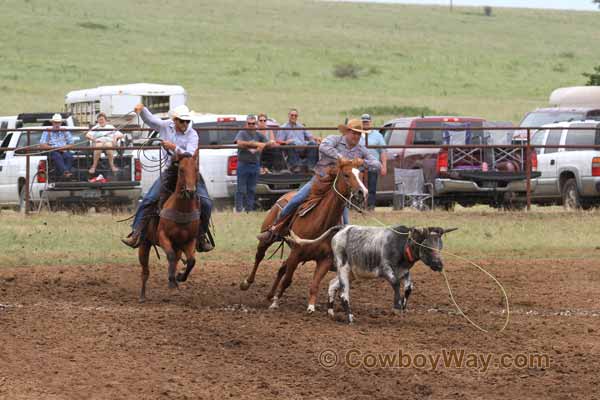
(218, 166)
(570, 177)
(120, 189)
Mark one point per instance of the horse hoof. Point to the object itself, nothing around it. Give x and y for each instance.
(274, 305)
(181, 277)
(331, 313)
(173, 284)
(310, 309)
(244, 285)
(142, 300)
(350, 319)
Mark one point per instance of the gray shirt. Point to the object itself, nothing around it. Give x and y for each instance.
(186, 142)
(251, 156)
(335, 146)
(300, 137)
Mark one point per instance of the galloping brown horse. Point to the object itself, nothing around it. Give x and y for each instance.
(328, 212)
(176, 229)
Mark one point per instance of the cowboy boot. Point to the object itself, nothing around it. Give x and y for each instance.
(203, 243)
(133, 240)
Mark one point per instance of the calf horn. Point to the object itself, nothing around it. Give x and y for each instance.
(449, 230)
(295, 239)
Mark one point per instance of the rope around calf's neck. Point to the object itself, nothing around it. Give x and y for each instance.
(460, 311)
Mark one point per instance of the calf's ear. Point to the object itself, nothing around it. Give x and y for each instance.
(448, 230)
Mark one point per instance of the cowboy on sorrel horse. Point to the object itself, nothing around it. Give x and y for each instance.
(176, 229)
(336, 179)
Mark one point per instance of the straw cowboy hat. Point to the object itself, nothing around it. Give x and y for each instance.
(354, 125)
(56, 118)
(182, 112)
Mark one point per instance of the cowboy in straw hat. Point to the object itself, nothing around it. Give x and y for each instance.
(333, 148)
(58, 140)
(178, 137)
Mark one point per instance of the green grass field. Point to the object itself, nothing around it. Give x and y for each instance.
(268, 55)
(65, 239)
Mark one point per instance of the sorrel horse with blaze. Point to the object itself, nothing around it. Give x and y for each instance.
(176, 229)
(347, 184)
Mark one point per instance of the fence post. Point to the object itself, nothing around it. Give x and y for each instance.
(27, 175)
(528, 168)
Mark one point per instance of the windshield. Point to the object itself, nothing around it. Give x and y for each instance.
(539, 118)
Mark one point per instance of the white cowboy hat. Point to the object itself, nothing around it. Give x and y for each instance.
(182, 112)
(56, 118)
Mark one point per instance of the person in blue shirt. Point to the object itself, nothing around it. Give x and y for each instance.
(375, 139)
(58, 140)
(298, 138)
(178, 137)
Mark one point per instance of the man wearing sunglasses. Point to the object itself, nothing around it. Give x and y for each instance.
(250, 145)
(298, 137)
(179, 137)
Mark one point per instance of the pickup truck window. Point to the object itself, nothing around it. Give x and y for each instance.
(538, 139)
(553, 138)
(212, 137)
(581, 138)
(396, 137)
(5, 143)
(34, 139)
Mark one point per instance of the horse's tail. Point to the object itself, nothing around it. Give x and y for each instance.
(294, 239)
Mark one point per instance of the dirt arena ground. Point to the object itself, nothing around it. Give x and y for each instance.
(79, 333)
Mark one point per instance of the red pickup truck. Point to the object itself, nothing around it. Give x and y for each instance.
(466, 176)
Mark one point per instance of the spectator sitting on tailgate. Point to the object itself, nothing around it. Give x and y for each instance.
(298, 138)
(271, 159)
(58, 141)
(103, 139)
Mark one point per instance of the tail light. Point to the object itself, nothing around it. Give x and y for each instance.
(41, 171)
(232, 163)
(138, 170)
(442, 161)
(596, 166)
(534, 161)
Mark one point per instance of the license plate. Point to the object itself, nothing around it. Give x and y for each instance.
(91, 194)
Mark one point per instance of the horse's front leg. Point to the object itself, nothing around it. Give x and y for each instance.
(190, 255)
(172, 257)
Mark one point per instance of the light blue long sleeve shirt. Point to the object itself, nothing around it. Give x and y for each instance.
(335, 146)
(56, 138)
(300, 137)
(186, 142)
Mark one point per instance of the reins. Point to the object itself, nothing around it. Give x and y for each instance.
(460, 311)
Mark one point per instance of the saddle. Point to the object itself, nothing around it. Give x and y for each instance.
(320, 188)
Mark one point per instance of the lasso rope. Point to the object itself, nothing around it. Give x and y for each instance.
(460, 311)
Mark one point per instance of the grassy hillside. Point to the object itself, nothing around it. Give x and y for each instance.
(268, 55)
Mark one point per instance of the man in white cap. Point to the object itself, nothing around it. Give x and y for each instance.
(59, 141)
(375, 139)
(178, 137)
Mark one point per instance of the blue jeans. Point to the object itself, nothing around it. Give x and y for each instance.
(247, 175)
(372, 186)
(153, 195)
(312, 155)
(299, 198)
(62, 161)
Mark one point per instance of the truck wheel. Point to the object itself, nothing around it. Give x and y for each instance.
(570, 195)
